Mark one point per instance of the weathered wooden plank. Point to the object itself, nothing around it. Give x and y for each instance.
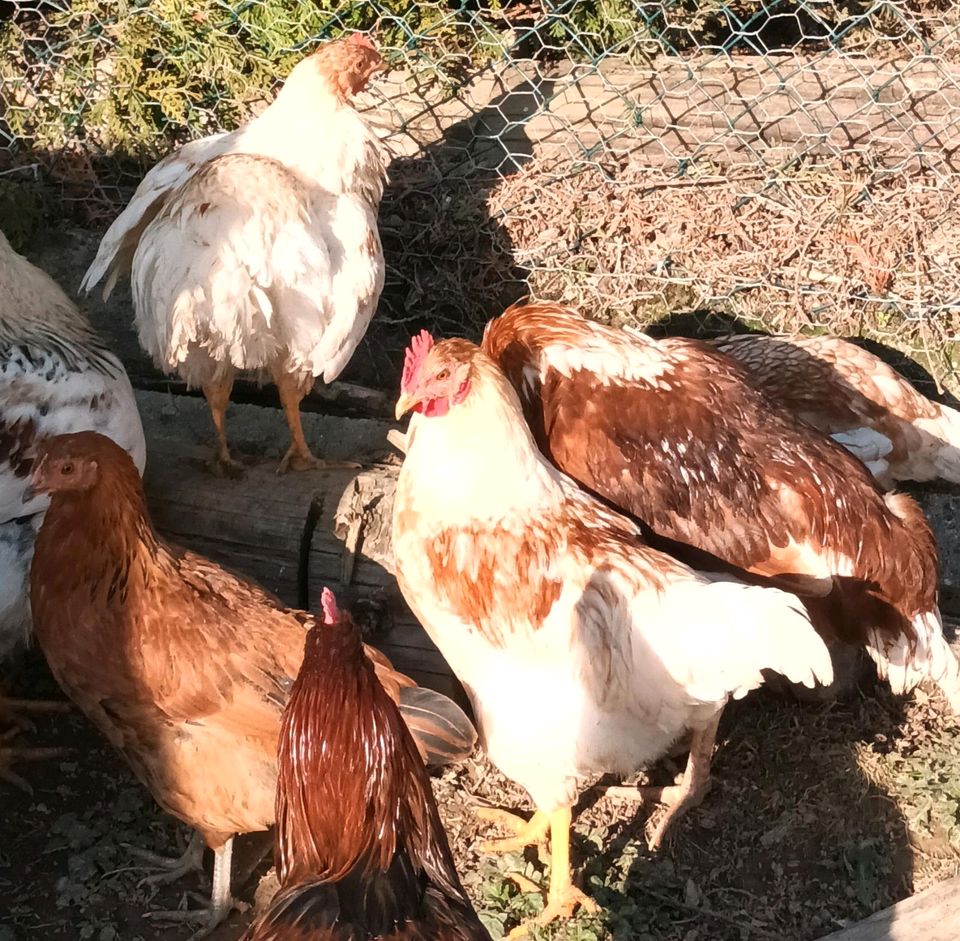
(716, 107)
(931, 915)
(256, 525)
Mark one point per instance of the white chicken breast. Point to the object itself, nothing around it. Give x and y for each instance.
(583, 650)
(258, 250)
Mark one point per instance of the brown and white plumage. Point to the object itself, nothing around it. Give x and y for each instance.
(583, 650)
(184, 666)
(856, 398)
(361, 852)
(258, 250)
(56, 376)
(674, 433)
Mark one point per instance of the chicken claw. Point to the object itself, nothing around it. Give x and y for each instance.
(9, 709)
(10, 756)
(221, 901)
(297, 460)
(171, 868)
(560, 906)
(678, 798)
(225, 466)
(532, 832)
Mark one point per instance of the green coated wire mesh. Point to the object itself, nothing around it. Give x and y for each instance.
(787, 165)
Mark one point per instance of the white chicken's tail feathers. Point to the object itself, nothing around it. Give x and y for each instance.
(761, 629)
(871, 448)
(904, 667)
(945, 430)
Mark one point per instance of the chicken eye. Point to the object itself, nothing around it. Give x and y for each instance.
(66, 469)
(443, 374)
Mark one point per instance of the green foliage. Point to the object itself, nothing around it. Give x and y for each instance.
(131, 78)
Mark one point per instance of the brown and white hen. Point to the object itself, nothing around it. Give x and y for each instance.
(677, 435)
(856, 398)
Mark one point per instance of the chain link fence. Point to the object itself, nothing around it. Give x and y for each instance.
(697, 164)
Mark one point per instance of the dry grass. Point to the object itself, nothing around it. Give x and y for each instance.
(801, 249)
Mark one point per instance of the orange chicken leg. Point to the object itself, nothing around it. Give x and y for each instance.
(298, 456)
(217, 394)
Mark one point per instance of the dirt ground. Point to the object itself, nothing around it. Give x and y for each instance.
(819, 815)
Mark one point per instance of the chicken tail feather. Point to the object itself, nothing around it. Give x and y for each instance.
(440, 728)
(309, 909)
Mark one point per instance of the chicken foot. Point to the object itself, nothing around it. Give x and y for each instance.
(221, 900)
(525, 832)
(9, 709)
(172, 868)
(563, 897)
(217, 394)
(299, 457)
(10, 755)
(690, 792)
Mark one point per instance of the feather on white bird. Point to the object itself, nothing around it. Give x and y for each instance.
(258, 250)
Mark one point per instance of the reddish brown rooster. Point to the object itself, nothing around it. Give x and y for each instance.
(675, 434)
(361, 851)
(184, 666)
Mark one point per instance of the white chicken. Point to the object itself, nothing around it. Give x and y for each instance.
(56, 376)
(258, 250)
(582, 649)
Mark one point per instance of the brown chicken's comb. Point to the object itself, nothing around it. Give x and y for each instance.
(420, 346)
(331, 614)
(361, 39)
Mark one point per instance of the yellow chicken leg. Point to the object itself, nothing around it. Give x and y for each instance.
(525, 832)
(563, 897)
(690, 792)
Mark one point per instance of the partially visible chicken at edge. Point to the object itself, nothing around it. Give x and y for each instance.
(862, 403)
(56, 375)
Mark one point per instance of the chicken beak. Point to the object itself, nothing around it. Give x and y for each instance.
(404, 404)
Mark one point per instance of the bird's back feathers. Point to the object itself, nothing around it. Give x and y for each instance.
(847, 392)
(676, 435)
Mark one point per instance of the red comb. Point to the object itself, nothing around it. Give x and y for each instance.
(331, 614)
(361, 39)
(416, 353)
